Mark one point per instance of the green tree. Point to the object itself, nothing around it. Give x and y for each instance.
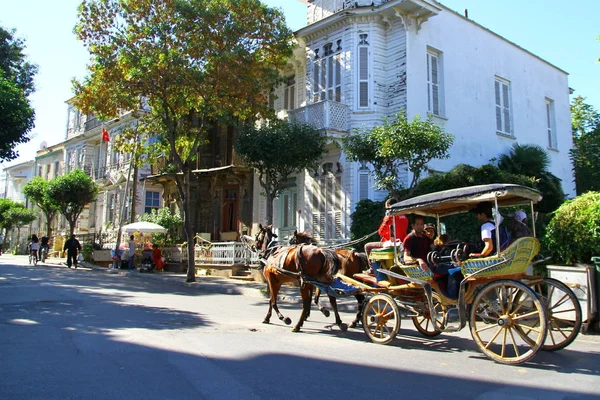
(37, 191)
(12, 215)
(398, 143)
(16, 84)
(585, 154)
(71, 193)
(533, 161)
(185, 64)
(165, 218)
(276, 150)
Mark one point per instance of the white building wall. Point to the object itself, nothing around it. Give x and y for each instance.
(472, 57)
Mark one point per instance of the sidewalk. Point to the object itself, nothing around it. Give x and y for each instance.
(204, 283)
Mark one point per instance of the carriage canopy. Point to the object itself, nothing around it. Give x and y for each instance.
(461, 200)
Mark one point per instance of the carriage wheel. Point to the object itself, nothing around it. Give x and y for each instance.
(500, 314)
(423, 322)
(381, 319)
(564, 313)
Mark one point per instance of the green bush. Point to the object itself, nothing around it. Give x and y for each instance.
(573, 234)
(365, 219)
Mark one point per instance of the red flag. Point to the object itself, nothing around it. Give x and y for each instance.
(105, 136)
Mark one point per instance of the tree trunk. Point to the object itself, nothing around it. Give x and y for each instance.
(187, 223)
(134, 193)
(71, 226)
(270, 200)
(49, 218)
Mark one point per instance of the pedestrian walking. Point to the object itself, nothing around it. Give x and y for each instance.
(72, 246)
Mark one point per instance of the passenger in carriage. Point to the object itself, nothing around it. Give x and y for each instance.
(416, 246)
(483, 212)
(386, 232)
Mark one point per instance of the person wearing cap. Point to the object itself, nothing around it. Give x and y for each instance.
(431, 233)
(518, 225)
(386, 231)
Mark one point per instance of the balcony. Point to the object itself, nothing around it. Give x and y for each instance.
(329, 116)
(91, 123)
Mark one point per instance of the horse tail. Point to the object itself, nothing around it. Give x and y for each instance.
(332, 261)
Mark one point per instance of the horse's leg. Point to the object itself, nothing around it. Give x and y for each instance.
(321, 308)
(360, 298)
(268, 276)
(306, 298)
(338, 320)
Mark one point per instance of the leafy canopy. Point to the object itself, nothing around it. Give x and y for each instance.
(585, 153)
(13, 63)
(165, 218)
(37, 191)
(13, 214)
(276, 150)
(398, 143)
(71, 192)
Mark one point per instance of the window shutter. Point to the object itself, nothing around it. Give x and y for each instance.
(292, 97)
(363, 77)
(435, 86)
(363, 185)
(506, 105)
(498, 107)
(316, 79)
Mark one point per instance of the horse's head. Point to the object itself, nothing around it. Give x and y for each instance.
(264, 237)
(302, 237)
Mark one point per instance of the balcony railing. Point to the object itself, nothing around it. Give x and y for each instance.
(91, 124)
(325, 115)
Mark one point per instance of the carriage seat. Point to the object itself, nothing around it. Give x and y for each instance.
(518, 256)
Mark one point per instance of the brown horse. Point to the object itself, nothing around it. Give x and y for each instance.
(351, 263)
(302, 264)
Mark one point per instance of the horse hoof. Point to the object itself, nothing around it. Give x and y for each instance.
(288, 321)
(344, 327)
(353, 325)
(266, 321)
(325, 312)
(295, 329)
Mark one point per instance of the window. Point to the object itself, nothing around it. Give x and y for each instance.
(111, 206)
(40, 170)
(550, 124)
(363, 72)
(327, 202)
(289, 94)
(434, 103)
(152, 201)
(503, 117)
(289, 205)
(327, 73)
(56, 168)
(363, 181)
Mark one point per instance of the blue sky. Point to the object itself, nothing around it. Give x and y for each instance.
(563, 33)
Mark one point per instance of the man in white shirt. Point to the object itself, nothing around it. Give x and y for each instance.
(131, 252)
(483, 212)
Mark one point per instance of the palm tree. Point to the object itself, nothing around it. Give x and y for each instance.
(532, 160)
(525, 159)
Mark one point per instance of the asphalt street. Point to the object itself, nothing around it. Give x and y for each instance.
(88, 334)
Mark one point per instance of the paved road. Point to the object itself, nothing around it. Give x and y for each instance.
(83, 334)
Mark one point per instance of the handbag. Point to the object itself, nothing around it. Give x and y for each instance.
(79, 257)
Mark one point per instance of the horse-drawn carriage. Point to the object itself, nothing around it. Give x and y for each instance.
(511, 315)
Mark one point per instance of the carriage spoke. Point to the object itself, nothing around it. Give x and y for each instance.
(491, 306)
(493, 337)
(552, 336)
(525, 338)
(563, 311)
(514, 343)
(531, 328)
(503, 344)
(558, 328)
(486, 328)
(521, 304)
(562, 301)
(564, 321)
(529, 314)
